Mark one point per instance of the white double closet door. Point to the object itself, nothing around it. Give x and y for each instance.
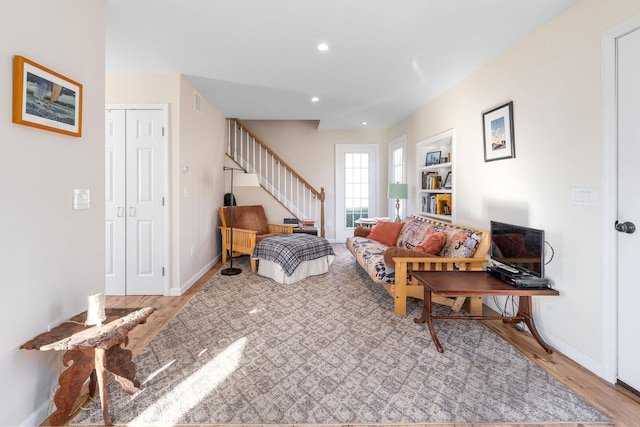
(134, 186)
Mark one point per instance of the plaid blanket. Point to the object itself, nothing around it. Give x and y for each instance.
(289, 250)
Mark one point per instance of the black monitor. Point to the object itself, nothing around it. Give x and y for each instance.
(518, 247)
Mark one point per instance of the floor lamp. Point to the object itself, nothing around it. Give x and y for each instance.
(243, 180)
(398, 191)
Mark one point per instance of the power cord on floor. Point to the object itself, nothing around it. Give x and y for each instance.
(505, 312)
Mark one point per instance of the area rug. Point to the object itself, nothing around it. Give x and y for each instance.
(329, 350)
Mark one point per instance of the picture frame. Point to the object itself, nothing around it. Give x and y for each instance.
(448, 181)
(433, 158)
(45, 99)
(499, 135)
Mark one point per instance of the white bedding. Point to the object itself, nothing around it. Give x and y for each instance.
(313, 267)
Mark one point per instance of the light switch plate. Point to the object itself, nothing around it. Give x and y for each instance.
(81, 199)
(583, 196)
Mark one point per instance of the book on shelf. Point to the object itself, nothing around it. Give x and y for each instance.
(443, 204)
(431, 181)
(428, 203)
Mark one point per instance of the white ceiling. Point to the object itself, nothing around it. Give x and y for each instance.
(257, 59)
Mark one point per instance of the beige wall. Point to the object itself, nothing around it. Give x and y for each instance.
(311, 152)
(196, 140)
(51, 257)
(554, 80)
(202, 139)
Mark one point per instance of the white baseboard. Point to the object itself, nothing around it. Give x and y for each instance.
(577, 356)
(176, 292)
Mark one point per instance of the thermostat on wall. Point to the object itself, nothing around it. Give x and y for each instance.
(81, 198)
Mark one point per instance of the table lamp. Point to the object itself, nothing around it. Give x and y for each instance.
(397, 191)
(95, 309)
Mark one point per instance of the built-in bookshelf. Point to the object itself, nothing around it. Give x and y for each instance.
(435, 180)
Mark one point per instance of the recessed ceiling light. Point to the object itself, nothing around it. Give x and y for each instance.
(364, 123)
(315, 99)
(323, 47)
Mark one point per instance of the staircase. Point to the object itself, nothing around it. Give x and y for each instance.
(276, 176)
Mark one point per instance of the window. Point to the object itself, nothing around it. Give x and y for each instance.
(397, 171)
(356, 186)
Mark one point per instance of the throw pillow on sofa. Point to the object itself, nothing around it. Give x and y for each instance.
(415, 232)
(386, 232)
(433, 244)
(463, 244)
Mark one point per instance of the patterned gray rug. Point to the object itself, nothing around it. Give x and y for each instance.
(329, 350)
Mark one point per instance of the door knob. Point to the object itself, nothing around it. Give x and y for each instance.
(625, 227)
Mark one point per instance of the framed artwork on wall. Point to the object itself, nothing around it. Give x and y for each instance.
(433, 158)
(45, 99)
(448, 182)
(499, 140)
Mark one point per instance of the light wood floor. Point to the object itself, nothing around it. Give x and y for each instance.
(620, 405)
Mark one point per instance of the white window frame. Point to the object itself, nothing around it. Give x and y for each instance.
(397, 144)
(341, 230)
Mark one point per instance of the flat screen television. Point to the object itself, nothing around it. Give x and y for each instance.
(518, 247)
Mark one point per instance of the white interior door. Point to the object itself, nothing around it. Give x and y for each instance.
(145, 177)
(628, 208)
(135, 214)
(356, 186)
(115, 265)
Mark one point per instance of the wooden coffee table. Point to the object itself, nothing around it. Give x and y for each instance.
(94, 353)
(477, 283)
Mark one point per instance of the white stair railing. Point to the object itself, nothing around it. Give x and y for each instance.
(276, 176)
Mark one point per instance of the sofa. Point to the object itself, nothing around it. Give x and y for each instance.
(249, 227)
(390, 252)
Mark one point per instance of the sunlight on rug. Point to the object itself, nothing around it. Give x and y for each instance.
(197, 386)
(329, 350)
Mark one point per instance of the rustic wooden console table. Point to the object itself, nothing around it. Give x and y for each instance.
(477, 283)
(95, 352)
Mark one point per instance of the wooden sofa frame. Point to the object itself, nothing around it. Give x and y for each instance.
(244, 241)
(402, 289)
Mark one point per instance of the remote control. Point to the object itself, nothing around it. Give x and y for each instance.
(507, 268)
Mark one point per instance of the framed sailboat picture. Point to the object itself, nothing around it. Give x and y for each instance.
(45, 99)
(499, 139)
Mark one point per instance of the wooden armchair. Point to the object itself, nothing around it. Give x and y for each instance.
(249, 227)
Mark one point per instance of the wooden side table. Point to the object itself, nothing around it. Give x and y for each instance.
(366, 222)
(477, 283)
(95, 352)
